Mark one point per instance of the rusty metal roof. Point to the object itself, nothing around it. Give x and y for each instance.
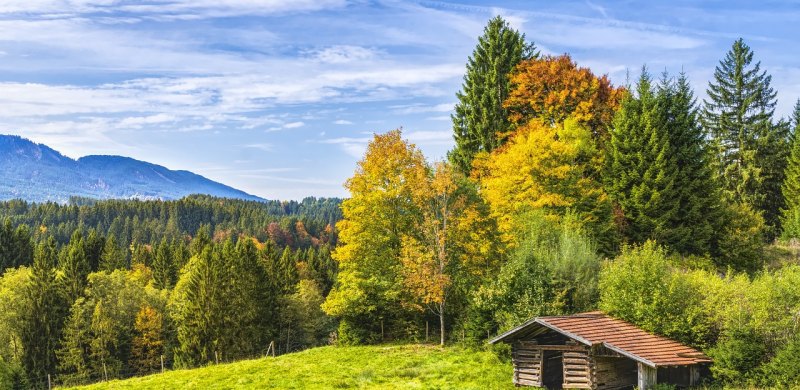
(596, 328)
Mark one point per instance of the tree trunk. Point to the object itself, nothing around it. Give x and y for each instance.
(441, 323)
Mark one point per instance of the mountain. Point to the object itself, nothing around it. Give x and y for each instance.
(37, 173)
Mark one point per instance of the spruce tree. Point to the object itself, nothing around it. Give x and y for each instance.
(479, 116)
(113, 256)
(658, 171)
(163, 267)
(45, 316)
(791, 184)
(751, 149)
(74, 264)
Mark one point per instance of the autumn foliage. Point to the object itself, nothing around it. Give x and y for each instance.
(553, 88)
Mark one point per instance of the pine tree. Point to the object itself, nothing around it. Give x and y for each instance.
(73, 355)
(163, 268)
(45, 316)
(751, 149)
(658, 171)
(479, 116)
(94, 244)
(791, 185)
(113, 256)
(74, 263)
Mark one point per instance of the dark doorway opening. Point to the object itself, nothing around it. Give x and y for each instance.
(553, 372)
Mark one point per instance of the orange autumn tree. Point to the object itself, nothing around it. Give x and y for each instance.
(554, 88)
(553, 159)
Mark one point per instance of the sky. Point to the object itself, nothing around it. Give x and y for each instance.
(279, 98)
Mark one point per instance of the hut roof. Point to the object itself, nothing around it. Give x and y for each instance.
(596, 328)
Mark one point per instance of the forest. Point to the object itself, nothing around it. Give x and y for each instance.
(563, 193)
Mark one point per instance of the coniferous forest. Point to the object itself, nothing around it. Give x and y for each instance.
(564, 193)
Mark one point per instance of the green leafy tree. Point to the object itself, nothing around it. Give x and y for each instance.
(751, 150)
(480, 119)
(640, 286)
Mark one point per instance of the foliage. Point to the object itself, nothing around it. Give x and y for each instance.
(480, 119)
(380, 209)
(740, 242)
(791, 184)
(547, 168)
(784, 369)
(751, 149)
(641, 286)
(554, 88)
(658, 173)
(553, 271)
(366, 367)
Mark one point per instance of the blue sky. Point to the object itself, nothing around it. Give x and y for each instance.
(278, 98)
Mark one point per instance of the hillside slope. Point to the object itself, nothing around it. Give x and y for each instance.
(37, 173)
(368, 367)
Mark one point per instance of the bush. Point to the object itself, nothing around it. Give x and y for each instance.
(736, 357)
(641, 286)
(12, 376)
(553, 270)
(783, 371)
(740, 244)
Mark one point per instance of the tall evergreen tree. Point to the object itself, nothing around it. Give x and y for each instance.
(45, 316)
(791, 184)
(479, 116)
(163, 267)
(658, 171)
(751, 149)
(75, 267)
(113, 256)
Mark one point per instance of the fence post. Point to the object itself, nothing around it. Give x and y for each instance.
(49, 385)
(216, 357)
(162, 364)
(426, 331)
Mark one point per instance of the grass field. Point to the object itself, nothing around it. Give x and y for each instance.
(368, 367)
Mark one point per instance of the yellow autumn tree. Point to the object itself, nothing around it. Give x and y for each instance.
(454, 241)
(546, 167)
(381, 208)
(148, 342)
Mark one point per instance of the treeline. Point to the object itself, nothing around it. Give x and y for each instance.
(98, 307)
(304, 224)
(555, 170)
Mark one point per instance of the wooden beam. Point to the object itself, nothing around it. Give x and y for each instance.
(570, 348)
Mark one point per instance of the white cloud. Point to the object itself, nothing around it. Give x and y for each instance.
(262, 146)
(343, 54)
(342, 122)
(175, 9)
(419, 108)
(293, 125)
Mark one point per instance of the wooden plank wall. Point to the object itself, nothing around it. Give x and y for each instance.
(647, 376)
(579, 369)
(614, 373)
(527, 365)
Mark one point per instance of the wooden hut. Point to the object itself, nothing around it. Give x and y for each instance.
(595, 351)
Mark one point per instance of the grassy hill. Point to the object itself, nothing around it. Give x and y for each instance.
(384, 367)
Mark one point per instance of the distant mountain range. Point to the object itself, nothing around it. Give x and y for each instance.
(37, 173)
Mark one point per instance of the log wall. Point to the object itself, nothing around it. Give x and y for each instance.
(527, 365)
(579, 369)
